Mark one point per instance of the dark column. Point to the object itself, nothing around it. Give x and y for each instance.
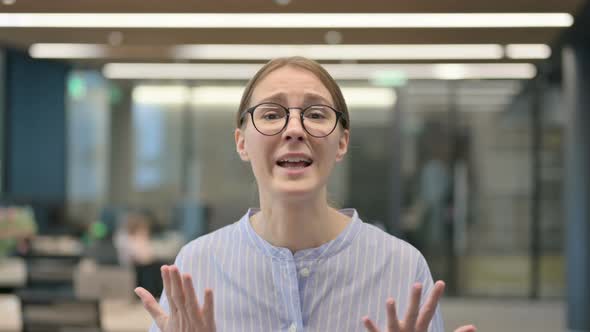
(36, 123)
(2, 115)
(576, 79)
(35, 136)
(121, 150)
(397, 190)
(535, 229)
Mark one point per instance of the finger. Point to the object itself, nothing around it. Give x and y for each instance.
(168, 288)
(153, 308)
(192, 303)
(466, 328)
(178, 294)
(392, 320)
(208, 311)
(412, 311)
(429, 308)
(177, 289)
(369, 325)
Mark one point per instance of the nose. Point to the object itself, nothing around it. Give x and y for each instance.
(294, 128)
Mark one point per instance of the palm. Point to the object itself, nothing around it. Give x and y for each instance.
(185, 312)
(416, 319)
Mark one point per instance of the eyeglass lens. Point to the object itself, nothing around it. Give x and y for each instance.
(318, 120)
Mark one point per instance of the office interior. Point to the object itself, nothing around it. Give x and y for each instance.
(470, 139)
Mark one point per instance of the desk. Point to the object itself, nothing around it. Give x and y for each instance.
(57, 309)
(10, 312)
(124, 316)
(57, 245)
(13, 272)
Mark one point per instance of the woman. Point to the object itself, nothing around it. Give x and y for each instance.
(295, 264)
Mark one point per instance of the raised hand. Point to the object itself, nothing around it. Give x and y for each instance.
(185, 312)
(416, 320)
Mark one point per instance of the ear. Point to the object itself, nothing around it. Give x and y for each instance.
(241, 144)
(343, 145)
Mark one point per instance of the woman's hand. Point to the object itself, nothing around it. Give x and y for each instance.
(416, 320)
(185, 312)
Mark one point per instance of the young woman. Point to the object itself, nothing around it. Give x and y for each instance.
(296, 264)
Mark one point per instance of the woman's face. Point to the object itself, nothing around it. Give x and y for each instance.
(272, 157)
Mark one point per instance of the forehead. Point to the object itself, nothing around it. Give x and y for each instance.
(290, 83)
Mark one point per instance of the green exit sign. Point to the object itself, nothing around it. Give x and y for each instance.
(389, 78)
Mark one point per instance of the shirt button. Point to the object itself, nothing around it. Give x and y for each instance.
(293, 328)
(304, 272)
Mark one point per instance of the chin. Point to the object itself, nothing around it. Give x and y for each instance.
(296, 189)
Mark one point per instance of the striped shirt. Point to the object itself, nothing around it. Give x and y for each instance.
(260, 287)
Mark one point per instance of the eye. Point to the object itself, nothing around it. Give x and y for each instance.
(269, 112)
(317, 113)
(271, 116)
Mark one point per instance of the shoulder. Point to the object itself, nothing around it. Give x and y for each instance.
(391, 246)
(208, 243)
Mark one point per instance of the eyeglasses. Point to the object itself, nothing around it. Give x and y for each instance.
(270, 118)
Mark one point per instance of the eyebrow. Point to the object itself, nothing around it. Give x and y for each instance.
(315, 98)
(308, 98)
(279, 97)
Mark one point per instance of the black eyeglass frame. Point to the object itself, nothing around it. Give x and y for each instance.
(339, 117)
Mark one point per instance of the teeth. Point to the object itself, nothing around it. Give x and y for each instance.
(295, 160)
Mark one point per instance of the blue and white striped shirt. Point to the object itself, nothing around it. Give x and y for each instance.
(260, 287)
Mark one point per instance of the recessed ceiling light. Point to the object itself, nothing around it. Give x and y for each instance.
(333, 37)
(115, 38)
(282, 2)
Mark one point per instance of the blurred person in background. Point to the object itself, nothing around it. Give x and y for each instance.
(132, 239)
(295, 263)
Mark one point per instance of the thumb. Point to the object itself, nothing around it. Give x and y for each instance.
(153, 308)
(466, 328)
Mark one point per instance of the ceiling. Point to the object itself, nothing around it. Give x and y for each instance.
(151, 44)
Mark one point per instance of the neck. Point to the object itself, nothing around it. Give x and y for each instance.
(298, 225)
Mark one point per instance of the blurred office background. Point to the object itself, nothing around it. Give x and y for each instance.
(469, 140)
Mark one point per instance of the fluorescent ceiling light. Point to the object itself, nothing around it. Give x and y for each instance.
(68, 51)
(369, 97)
(217, 95)
(160, 95)
(220, 71)
(229, 96)
(528, 51)
(225, 71)
(341, 52)
(421, 92)
(276, 20)
(317, 52)
(449, 71)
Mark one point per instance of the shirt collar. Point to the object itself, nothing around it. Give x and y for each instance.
(327, 249)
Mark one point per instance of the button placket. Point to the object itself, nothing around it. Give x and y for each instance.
(289, 273)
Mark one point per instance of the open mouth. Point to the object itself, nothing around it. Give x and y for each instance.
(294, 163)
